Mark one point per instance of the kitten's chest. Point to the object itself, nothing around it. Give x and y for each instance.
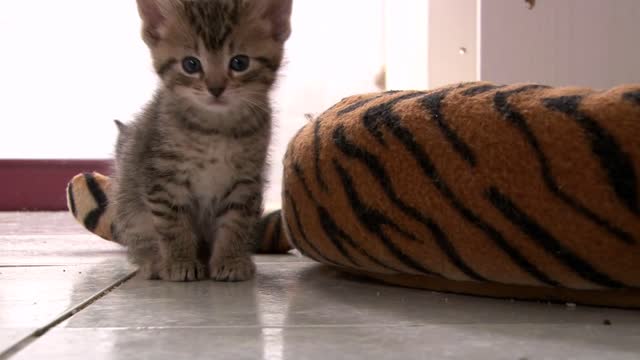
(211, 167)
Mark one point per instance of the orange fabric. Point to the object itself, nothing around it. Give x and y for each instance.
(521, 185)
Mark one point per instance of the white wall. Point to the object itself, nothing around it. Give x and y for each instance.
(560, 42)
(68, 68)
(406, 39)
(452, 27)
(423, 39)
(590, 43)
(336, 50)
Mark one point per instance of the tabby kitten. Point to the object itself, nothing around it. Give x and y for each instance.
(190, 169)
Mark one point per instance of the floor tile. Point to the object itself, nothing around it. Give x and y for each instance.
(45, 239)
(46, 250)
(39, 223)
(9, 337)
(294, 309)
(308, 294)
(33, 296)
(456, 341)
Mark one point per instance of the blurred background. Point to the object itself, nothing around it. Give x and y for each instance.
(69, 67)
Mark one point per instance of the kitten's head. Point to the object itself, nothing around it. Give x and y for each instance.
(217, 54)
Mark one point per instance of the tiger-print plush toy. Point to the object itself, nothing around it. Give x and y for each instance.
(520, 191)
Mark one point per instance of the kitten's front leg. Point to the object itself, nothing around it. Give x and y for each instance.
(236, 219)
(178, 243)
(135, 230)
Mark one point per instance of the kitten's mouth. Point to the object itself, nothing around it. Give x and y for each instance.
(217, 102)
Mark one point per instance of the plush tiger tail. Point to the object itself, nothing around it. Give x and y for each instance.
(88, 202)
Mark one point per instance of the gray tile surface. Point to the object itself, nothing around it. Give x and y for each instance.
(39, 223)
(9, 337)
(33, 296)
(294, 309)
(43, 250)
(454, 341)
(302, 294)
(49, 265)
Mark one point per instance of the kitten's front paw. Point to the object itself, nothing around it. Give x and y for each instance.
(232, 269)
(183, 271)
(148, 271)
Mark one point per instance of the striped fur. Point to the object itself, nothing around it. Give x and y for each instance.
(87, 199)
(520, 186)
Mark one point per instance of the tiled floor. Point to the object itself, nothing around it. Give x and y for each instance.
(295, 309)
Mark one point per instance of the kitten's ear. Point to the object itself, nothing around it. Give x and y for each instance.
(278, 12)
(121, 126)
(153, 15)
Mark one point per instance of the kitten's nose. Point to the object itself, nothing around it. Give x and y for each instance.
(216, 90)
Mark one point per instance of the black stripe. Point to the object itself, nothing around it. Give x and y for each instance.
(481, 89)
(166, 155)
(358, 104)
(295, 243)
(267, 63)
(392, 122)
(227, 208)
(316, 156)
(379, 173)
(373, 220)
(156, 189)
(277, 233)
(236, 185)
(115, 235)
(433, 103)
(169, 177)
(333, 231)
(96, 191)
(633, 96)
(264, 239)
(328, 225)
(502, 105)
(296, 215)
(245, 133)
(372, 116)
(547, 241)
(72, 201)
(617, 164)
(93, 217)
(333, 107)
(166, 66)
(164, 215)
(197, 128)
(164, 202)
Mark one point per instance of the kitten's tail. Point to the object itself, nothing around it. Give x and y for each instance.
(88, 202)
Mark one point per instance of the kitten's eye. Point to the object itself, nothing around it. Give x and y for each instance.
(239, 63)
(191, 65)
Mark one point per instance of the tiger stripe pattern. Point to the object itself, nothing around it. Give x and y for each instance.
(88, 202)
(524, 185)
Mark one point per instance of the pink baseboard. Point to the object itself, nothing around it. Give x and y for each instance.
(40, 185)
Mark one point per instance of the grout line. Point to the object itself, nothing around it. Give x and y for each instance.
(283, 326)
(29, 266)
(27, 340)
(75, 235)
